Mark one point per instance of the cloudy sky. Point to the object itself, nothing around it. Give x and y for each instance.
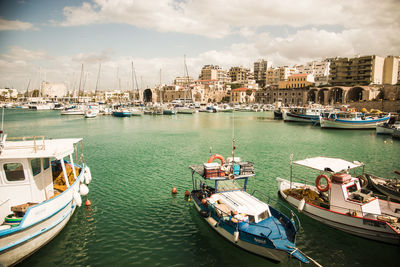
(49, 40)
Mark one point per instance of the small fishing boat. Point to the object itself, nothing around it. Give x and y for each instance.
(396, 133)
(353, 120)
(278, 114)
(40, 188)
(388, 187)
(73, 110)
(220, 196)
(340, 202)
(91, 112)
(121, 113)
(185, 110)
(301, 114)
(386, 128)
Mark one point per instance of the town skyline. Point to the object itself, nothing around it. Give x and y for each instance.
(47, 40)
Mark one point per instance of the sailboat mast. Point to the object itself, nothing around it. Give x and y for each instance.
(27, 89)
(97, 82)
(80, 83)
(133, 85)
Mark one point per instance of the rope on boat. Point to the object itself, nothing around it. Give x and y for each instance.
(308, 257)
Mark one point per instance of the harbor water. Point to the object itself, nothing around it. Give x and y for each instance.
(135, 162)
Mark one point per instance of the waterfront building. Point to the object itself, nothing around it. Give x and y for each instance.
(242, 95)
(260, 70)
(391, 70)
(363, 70)
(288, 97)
(8, 93)
(53, 90)
(239, 74)
(319, 69)
(210, 91)
(213, 72)
(274, 75)
(183, 81)
(297, 81)
(116, 95)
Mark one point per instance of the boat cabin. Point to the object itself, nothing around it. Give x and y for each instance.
(33, 171)
(346, 196)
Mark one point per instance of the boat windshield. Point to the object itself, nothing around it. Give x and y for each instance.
(230, 185)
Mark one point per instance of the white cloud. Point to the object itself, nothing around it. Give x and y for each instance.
(9, 25)
(213, 18)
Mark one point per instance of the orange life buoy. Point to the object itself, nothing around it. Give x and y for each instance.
(318, 185)
(217, 156)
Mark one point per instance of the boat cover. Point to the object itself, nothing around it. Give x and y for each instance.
(328, 164)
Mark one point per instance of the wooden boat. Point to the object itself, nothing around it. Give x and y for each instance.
(32, 215)
(388, 187)
(353, 120)
(219, 194)
(342, 203)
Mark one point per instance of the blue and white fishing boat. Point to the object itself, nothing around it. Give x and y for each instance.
(40, 187)
(353, 120)
(219, 194)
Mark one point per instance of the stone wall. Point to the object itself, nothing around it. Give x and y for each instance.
(384, 105)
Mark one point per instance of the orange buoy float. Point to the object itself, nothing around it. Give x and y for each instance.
(318, 183)
(187, 193)
(216, 156)
(174, 190)
(204, 202)
(88, 203)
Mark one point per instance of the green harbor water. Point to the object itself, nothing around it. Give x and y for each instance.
(135, 162)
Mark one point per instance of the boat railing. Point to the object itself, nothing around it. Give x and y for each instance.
(38, 142)
(293, 215)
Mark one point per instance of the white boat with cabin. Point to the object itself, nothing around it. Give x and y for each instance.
(342, 203)
(40, 187)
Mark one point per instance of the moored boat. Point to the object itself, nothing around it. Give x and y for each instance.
(353, 120)
(388, 187)
(386, 128)
(40, 188)
(301, 114)
(342, 203)
(220, 196)
(122, 113)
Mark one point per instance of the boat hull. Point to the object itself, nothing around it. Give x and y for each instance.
(270, 253)
(291, 117)
(351, 124)
(359, 226)
(392, 194)
(36, 237)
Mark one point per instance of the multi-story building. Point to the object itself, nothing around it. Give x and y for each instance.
(391, 70)
(319, 69)
(239, 74)
(213, 72)
(363, 70)
(260, 70)
(8, 93)
(297, 81)
(242, 95)
(274, 75)
(287, 96)
(183, 81)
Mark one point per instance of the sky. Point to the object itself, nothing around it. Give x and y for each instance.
(51, 40)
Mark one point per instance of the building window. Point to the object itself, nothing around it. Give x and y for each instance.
(14, 172)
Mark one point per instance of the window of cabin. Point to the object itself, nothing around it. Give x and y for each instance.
(46, 163)
(14, 172)
(35, 165)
